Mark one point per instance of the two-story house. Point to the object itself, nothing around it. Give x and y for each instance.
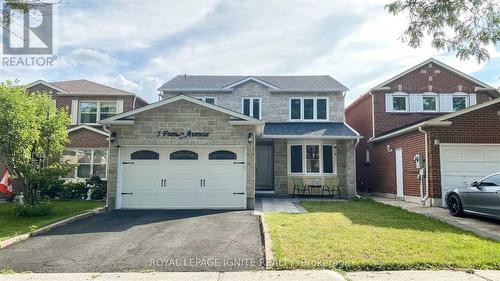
(87, 103)
(213, 141)
(425, 131)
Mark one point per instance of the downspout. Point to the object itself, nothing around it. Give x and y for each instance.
(355, 176)
(373, 116)
(424, 199)
(133, 103)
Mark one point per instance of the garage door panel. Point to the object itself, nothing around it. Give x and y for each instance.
(463, 164)
(224, 181)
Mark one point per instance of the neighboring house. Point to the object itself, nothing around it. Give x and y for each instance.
(426, 130)
(213, 141)
(87, 103)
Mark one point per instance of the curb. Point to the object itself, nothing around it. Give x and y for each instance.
(268, 243)
(44, 229)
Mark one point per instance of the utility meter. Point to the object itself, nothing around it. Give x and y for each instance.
(419, 161)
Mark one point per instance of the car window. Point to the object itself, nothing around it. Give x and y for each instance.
(491, 181)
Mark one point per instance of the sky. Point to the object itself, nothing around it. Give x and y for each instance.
(138, 45)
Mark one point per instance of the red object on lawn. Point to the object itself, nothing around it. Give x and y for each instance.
(5, 183)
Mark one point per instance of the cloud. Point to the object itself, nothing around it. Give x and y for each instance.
(83, 57)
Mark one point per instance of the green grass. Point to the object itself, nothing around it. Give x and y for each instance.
(366, 235)
(12, 225)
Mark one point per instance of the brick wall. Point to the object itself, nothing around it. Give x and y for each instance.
(417, 81)
(84, 138)
(380, 174)
(479, 126)
(182, 115)
(275, 106)
(358, 115)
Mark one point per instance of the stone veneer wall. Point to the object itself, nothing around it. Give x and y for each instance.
(181, 115)
(280, 167)
(345, 169)
(275, 106)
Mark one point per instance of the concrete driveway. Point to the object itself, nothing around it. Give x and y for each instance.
(144, 240)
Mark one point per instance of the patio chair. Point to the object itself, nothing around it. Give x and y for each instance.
(299, 186)
(332, 186)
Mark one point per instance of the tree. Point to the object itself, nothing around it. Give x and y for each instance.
(466, 27)
(33, 133)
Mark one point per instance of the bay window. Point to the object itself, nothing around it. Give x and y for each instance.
(308, 109)
(88, 162)
(251, 107)
(92, 112)
(312, 159)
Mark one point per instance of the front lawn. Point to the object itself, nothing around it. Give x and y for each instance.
(12, 225)
(366, 235)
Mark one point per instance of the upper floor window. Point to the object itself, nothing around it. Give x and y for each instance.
(399, 102)
(459, 102)
(305, 109)
(252, 107)
(210, 100)
(91, 112)
(429, 103)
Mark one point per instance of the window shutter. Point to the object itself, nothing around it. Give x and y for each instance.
(74, 112)
(416, 103)
(388, 103)
(472, 100)
(446, 102)
(119, 106)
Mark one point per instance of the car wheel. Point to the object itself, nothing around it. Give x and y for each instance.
(455, 205)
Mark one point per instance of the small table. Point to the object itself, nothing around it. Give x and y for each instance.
(313, 186)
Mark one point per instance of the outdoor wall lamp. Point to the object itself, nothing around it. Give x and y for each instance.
(389, 148)
(250, 137)
(436, 142)
(112, 137)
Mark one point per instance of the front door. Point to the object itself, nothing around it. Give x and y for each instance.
(399, 172)
(264, 167)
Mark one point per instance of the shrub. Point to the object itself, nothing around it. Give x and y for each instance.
(38, 210)
(97, 186)
(73, 190)
(52, 189)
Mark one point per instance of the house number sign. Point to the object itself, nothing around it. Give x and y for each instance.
(181, 134)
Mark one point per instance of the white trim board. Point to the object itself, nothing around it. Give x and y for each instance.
(250, 78)
(79, 127)
(60, 90)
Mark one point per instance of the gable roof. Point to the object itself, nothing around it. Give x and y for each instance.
(225, 83)
(436, 122)
(439, 63)
(241, 119)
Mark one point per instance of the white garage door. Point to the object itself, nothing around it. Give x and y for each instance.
(463, 164)
(183, 178)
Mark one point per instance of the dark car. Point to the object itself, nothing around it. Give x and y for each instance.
(481, 198)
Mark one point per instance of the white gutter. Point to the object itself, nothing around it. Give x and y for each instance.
(133, 103)
(424, 199)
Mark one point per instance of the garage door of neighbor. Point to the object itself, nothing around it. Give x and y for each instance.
(183, 178)
(461, 164)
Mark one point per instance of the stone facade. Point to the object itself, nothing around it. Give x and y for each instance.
(275, 106)
(280, 167)
(181, 115)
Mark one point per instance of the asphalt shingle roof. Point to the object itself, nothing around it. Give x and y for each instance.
(217, 82)
(86, 86)
(308, 129)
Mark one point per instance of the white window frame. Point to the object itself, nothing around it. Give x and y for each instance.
(99, 102)
(304, 159)
(400, 95)
(251, 106)
(460, 95)
(435, 96)
(315, 109)
(207, 97)
(367, 156)
(91, 161)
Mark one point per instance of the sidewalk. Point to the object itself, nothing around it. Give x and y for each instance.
(298, 275)
(482, 226)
